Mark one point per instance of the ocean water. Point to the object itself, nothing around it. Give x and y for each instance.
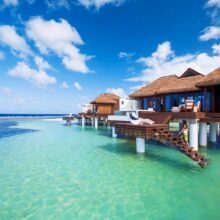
(52, 171)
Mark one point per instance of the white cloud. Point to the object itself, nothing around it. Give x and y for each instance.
(77, 86)
(213, 3)
(6, 91)
(60, 38)
(117, 91)
(2, 55)
(167, 63)
(64, 85)
(38, 77)
(99, 3)
(9, 37)
(54, 4)
(216, 48)
(133, 88)
(212, 32)
(10, 2)
(125, 55)
(41, 63)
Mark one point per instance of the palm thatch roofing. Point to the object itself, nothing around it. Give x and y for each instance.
(152, 88)
(106, 98)
(211, 79)
(171, 84)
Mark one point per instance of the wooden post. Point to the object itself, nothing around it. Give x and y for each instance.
(205, 99)
(213, 99)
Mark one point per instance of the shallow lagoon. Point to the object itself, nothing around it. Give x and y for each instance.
(51, 171)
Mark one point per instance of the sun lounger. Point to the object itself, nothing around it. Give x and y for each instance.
(138, 121)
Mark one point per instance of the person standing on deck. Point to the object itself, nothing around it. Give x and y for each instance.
(184, 133)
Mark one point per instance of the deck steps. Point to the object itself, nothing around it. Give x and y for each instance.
(182, 147)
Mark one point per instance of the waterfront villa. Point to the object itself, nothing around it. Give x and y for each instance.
(97, 112)
(192, 97)
(173, 90)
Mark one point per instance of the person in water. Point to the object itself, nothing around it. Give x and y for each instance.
(184, 133)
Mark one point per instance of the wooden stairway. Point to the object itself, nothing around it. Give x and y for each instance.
(165, 134)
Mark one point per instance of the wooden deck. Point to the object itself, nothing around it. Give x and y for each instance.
(90, 115)
(161, 133)
(142, 131)
(164, 117)
(67, 118)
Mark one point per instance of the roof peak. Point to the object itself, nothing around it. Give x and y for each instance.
(190, 72)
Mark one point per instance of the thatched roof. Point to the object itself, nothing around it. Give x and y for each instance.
(106, 98)
(152, 88)
(187, 84)
(171, 84)
(211, 79)
(190, 72)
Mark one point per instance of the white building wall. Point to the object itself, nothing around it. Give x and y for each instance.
(128, 105)
(86, 107)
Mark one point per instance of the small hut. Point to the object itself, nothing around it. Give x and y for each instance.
(106, 104)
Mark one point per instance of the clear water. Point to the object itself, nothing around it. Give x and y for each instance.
(58, 172)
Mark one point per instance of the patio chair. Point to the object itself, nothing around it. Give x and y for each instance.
(197, 108)
(189, 105)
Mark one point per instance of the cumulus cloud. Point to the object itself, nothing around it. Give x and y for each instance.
(117, 91)
(167, 63)
(59, 38)
(64, 85)
(38, 77)
(41, 63)
(77, 86)
(10, 2)
(212, 32)
(216, 48)
(99, 3)
(10, 38)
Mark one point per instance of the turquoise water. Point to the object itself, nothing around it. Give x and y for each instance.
(59, 172)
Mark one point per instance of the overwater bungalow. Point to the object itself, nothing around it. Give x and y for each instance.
(191, 97)
(171, 91)
(98, 110)
(107, 104)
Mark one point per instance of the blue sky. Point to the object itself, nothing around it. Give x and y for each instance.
(55, 55)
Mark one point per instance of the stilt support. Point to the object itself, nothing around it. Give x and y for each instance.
(140, 145)
(203, 134)
(83, 121)
(96, 122)
(193, 134)
(114, 135)
(213, 132)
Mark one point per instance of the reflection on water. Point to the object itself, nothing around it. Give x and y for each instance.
(8, 129)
